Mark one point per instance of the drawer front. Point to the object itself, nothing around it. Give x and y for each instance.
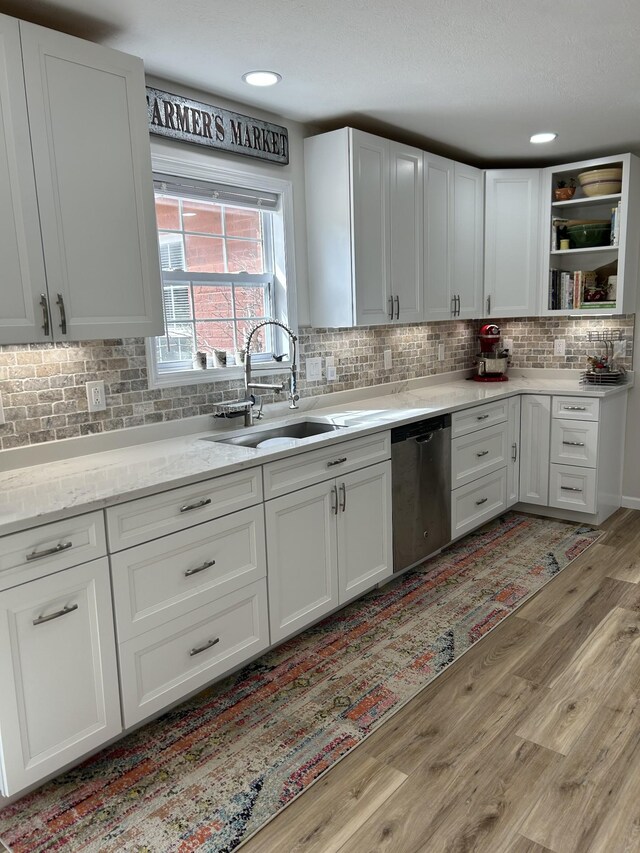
(574, 442)
(147, 518)
(476, 503)
(576, 408)
(572, 488)
(478, 417)
(161, 580)
(42, 550)
(167, 663)
(477, 454)
(296, 472)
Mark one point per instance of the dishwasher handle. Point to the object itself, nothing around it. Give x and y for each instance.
(424, 438)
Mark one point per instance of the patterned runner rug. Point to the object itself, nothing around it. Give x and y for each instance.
(207, 775)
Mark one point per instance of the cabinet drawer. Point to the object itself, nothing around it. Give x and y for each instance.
(296, 472)
(576, 408)
(166, 578)
(574, 442)
(477, 502)
(572, 488)
(42, 550)
(477, 454)
(147, 518)
(478, 417)
(168, 662)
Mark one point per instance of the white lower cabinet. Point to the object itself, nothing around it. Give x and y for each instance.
(326, 544)
(477, 502)
(168, 662)
(535, 430)
(572, 487)
(59, 696)
(513, 450)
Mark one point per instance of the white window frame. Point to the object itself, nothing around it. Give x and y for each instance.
(221, 172)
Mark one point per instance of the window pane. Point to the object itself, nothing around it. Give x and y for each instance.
(212, 302)
(258, 341)
(171, 252)
(244, 255)
(201, 217)
(177, 345)
(218, 335)
(251, 302)
(204, 254)
(243, 223)
(168, 213)
(177, 302)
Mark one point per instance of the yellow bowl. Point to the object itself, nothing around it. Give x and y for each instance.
(601, 181)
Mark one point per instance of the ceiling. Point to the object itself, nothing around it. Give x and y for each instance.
(470, 78)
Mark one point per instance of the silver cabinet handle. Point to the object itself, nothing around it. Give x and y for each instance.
(458, 304)
(343, 492)
(390, 310)
(397, 301)
(482, 453)
(514, 451)
(334, 500)
(575, 408)
(574, 443)
(570, 489)
(336, 462)
(45, 314)
(489, 304)
(204, 648)
(66, 609)
(196, 505)
(63, 314)
(481, 501)
(453, 306)
(206, 565)
(37, 555)
(482, 417)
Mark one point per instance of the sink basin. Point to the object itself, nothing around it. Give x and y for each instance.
(296, 431)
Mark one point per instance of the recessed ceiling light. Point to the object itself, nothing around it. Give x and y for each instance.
(543, 137)
(261, 78)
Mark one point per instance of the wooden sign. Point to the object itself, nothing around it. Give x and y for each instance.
(192, 121)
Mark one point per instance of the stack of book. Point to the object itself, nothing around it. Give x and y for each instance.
(577, 289)
(615, 225)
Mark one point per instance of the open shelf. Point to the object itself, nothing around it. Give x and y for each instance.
(588, 251)
(588, 200)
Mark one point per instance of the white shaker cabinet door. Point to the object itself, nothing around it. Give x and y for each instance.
(59, 697)
(512, 242)
(365, 547)
(302, 558)
(438, 238)
(513, 452)
(92, 164)
(370, 187)
(406, 192)
(535, 439)
(468, 253)
(22, 318)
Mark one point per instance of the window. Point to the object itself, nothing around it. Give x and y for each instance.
(222, 256)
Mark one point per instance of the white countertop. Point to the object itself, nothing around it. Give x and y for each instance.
(58, 489)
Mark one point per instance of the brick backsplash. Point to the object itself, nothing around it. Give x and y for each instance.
(43, 385)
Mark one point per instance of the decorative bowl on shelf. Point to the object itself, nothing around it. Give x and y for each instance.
(564, 193)
(589, 235)
(597, 182)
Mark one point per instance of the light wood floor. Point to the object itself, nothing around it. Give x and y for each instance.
(529, 743)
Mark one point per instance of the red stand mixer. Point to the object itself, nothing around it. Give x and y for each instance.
(493, 359)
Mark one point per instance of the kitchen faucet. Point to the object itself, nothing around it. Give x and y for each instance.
(264, 386)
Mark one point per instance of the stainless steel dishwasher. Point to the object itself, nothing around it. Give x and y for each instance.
(421, 477)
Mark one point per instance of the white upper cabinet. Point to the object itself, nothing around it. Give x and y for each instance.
(606, 262)
(364, 229)
(453, 239)
(512, 242)
(21, 317)
(84, 105)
